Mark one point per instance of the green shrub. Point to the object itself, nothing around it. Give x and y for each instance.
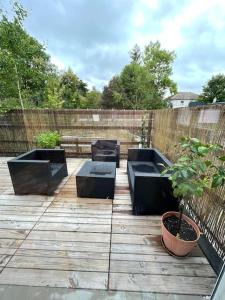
(48, 140)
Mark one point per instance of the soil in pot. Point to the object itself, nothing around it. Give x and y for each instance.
(187, 232)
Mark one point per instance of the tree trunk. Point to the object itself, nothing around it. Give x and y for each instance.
(18, 87)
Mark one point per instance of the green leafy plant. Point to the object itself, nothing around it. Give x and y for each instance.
(199, 168)
(48, 140)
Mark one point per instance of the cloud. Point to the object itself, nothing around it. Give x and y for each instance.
(94, 37)
(90, 36)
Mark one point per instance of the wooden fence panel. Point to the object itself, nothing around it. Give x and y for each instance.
(208, 124)
(19, 128)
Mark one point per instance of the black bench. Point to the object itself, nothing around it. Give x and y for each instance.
(38, 172)
(151, 193)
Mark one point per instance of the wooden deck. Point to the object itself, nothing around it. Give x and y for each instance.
(80, 243)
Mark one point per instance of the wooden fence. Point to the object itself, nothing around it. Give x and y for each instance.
(78, 128)
(208, 124)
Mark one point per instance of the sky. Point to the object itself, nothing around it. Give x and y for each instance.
(94, 37)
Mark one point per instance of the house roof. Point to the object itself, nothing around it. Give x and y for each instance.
(184, 96)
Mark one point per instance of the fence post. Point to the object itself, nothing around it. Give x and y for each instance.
(149, 130)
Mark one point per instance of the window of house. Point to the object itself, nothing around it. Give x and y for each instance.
(181, 101)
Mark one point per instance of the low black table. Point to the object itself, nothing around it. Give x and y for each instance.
(96, 180)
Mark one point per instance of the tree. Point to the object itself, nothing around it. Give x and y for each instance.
(158, 62)
(143, 83)
(72, 90)
(136, 87)
(69, 91)
(24, 63)
(111, 95)
(135, 54)
(93, 99)
(214, 89)
(82, 87)
(52, 93)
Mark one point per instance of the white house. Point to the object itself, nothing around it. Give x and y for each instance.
(182, 99)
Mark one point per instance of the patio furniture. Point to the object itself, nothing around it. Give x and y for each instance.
(106, 150)
(151, 193)
(96, 180)
(38, 171)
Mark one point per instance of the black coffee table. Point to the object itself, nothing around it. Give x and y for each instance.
(96, 180)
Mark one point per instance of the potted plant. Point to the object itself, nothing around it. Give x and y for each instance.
(48, 140)
(198, 169)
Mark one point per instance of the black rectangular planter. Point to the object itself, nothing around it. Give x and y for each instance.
(96, 180)
(151, 193)
(106, 150)
(38, 171)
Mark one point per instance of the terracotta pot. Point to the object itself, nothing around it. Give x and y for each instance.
(172, 243)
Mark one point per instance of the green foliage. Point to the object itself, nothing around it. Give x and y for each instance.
(92, 99)
(26, 74)
(214, 89)
(72, 90)
(143, 83)
(6, 106)
(111, 96)
(13, 103)
(52, 94)
(199, 168)
(48, 140)
(158, 63)
(135, 54)
(24, 65)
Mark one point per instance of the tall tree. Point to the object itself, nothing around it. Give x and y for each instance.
(214, 90)
(112, 94)
(72, 90)
(52, 92)
(24, 62)
(143, 83)
(158, 62)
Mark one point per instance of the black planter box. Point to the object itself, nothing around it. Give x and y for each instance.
(96, 180)
(38, 171)
(151, 193)
(106, 150)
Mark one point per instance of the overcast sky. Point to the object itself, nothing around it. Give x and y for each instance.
(94, 36)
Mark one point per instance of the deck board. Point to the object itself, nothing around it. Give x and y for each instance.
(68, 242)
(164, 284)
(54, 278)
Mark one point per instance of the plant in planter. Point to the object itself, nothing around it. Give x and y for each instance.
(48, 140)
(198, 169)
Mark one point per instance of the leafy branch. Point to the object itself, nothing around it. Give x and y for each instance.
(200, 167)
